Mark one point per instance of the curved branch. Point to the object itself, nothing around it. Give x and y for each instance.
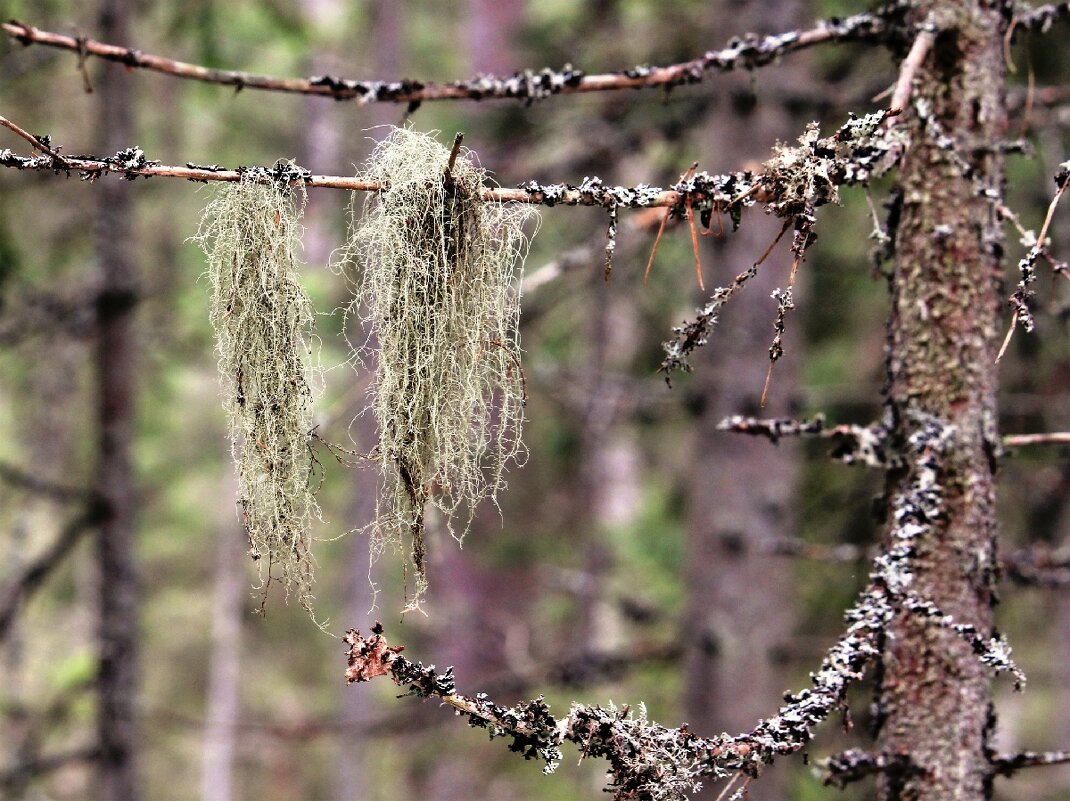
(746, 52)
(18, 591)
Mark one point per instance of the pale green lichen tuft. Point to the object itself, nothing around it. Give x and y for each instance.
(437, 283)
(263, 324)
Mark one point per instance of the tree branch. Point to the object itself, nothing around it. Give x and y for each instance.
(856, 444)
(850, 156)
(746, 52)
(1050, 438)
(28, 482)
(19, 590)
(1009, 764)
(38, 142)
(17, 775)
(649, 762)
(907, 70)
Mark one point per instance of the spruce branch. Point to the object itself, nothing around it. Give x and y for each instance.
(1038, 248)
(746, 52)
(651, 762)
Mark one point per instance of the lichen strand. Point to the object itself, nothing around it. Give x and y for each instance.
(263, 324)
(437, 283)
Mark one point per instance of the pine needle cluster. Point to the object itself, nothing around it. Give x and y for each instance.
(436, 281)
(263, 322)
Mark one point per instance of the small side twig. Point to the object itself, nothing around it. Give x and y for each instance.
(923, 43)
(448, 177)
(1009, 764)
(37, 142)
(1027, 265)
(1051, 438)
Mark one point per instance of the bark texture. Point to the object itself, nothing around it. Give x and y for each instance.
(115, 358)
(935, 698)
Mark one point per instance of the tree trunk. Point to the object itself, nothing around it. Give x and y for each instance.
(116, 353)
(739, 615)
(224, 669)
(935, 697)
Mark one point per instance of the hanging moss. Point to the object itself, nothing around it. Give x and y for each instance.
(437, 283)
(263, 323)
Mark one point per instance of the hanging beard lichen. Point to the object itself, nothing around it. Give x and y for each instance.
(438, 289)
(263, 324)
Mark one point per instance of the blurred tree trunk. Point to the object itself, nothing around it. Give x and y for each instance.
(739, 611)
(224, 668)
(491, 32)
(324, 144)
(935, 697)
(116, 369)
(609, 495)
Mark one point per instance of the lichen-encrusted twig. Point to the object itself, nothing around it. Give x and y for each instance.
(1038, 247)
(792, 185)
(747, 52)
(651, 762)
(856, 444)
(1009, 764)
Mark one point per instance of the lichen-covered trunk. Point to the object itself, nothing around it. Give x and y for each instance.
(935, 696)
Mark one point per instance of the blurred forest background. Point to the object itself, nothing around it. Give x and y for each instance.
(640, 554)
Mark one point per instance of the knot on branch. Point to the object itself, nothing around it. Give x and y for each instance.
(282, 174)
(369, 657)
(127, 162)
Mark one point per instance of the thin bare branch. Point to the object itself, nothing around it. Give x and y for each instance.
(1019, 301)
(1051, 438)
(18, 775)
(1009, 764)
(908, 69)
(14, 596)
(38, 142)
(28, 482)
(855, 444)
(745, 52)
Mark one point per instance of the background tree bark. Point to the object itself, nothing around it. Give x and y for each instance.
(116, 370)
(738, 616)
(223, 705)
(935, 695)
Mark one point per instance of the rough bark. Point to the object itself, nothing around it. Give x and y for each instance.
(115, 360)
(935, 694)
